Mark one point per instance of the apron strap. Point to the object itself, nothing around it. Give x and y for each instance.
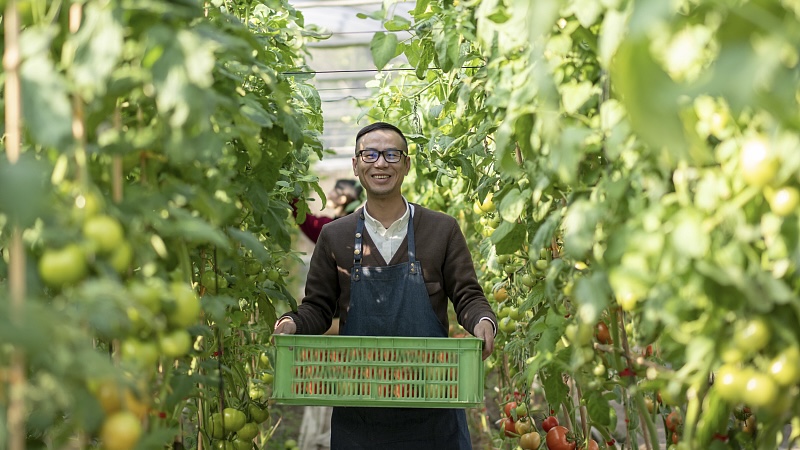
(357, 253)
(413, 265)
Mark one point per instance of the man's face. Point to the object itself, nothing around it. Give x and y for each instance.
(381, 179)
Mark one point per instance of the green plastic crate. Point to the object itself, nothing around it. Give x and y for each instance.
(403, 372)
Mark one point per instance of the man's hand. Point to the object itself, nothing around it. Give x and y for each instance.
(485, 331)
(285, 326)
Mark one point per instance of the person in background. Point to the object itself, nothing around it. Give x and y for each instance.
(390, 268)
(344, 198)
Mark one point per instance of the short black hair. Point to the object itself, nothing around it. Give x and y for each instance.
(349, 188)
(380, 126)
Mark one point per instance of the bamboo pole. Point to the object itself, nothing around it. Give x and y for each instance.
(13, 112)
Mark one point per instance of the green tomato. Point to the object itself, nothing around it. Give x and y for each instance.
(760, 390)
(239, 444)
(176, 343)
(213, 282)
(224, 445)
(105, 233)
(184, 306)
(248, 432)
(730, 382)
(63, 267)
(121, 258)
(507, 324)
(785, 367)
(215, 429)
(273, 275)
(756, 163)
(234, 419)
(527, 280)
(148, 293)
(752, 336)
(257, 413)
(784, 201)
(141, 353)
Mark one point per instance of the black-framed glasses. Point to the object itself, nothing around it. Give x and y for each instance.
(391, 156)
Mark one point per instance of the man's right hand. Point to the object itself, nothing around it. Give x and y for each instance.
(285, 326)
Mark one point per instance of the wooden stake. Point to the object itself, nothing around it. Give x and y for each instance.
(13, 111)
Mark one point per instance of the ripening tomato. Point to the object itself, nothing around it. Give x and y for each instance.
(556, 439)
(602, 334)
(121, 431)
(523, 426)
(549, 422)
(530, 441)
(592, 445)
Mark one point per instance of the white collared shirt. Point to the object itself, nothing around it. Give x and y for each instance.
(388, 240)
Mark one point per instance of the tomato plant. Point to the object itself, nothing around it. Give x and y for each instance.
(664, 233)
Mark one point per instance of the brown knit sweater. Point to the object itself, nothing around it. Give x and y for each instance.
(446, 266)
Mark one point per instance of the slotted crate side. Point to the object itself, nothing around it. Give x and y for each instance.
(378, 371)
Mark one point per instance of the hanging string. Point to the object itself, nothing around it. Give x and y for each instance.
(391, 69)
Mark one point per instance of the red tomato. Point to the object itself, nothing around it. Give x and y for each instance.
(509, 407)
(509, 427)
(602, 334)
(556, 439)
(673, 421)
(549, 423)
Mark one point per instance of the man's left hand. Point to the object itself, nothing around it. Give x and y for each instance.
(485, 331)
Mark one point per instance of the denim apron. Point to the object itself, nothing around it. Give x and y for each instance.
(393, 301)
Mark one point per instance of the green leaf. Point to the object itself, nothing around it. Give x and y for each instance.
(98, 46)
(592, 294)
(45, 102)
(575, 94)
(579, 228)
(544, 233)
(383, 47)
(689, 238)
(513, 205)
(587, 11)
(194, 229)
(612, 35)
(598, 408)
(507, 237)
(251, 242)
(23, 190)
(397, 23)
(555, 390)
(649, 95)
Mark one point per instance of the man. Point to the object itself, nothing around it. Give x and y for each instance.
(390, 268)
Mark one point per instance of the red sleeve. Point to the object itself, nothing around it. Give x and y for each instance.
(313, 224)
